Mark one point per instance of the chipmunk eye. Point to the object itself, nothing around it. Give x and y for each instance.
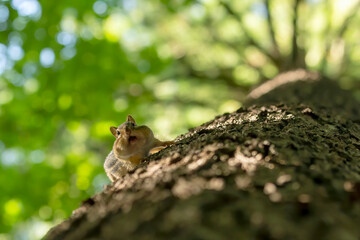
(117, 132)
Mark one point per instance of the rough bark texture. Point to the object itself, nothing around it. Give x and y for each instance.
(286, 168)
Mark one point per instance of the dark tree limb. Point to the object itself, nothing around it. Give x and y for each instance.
(243, 60)
(339, 35)
(224, 74)
(348, 20)
(251, 40)
(271, 29)
(228, 77)
(295, 50)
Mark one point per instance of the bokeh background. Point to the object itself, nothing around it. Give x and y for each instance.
(70, 69)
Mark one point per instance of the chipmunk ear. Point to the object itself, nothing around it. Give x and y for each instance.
(113, 131)
(130, 119)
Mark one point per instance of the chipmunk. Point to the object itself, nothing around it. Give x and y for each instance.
(133, 143)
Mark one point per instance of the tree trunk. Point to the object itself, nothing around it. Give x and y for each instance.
(285, 168)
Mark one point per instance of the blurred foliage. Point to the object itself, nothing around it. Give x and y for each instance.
(70, 69)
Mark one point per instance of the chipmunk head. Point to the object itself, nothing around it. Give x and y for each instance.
(130, 138)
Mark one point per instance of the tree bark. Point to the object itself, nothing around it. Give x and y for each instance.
(287, 167)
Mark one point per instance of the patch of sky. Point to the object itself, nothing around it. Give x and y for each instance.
(11, 157)
(15, 78)
(3, 58)
(4, 13)
(100, 8)
(15, 52)
(29, 69)
(15, 38)
(67, 53)
(47, 57)
(129, 5)
(37, 156)
(66, 38)
(259, 9)
(27, 8)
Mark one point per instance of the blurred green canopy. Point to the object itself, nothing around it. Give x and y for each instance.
(71, 69)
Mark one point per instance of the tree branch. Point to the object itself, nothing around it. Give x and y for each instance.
(339, 35)
(224, 75)
(236, 48)
(248, 35)
(295, 50)
(271, 29)
(347, 21)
